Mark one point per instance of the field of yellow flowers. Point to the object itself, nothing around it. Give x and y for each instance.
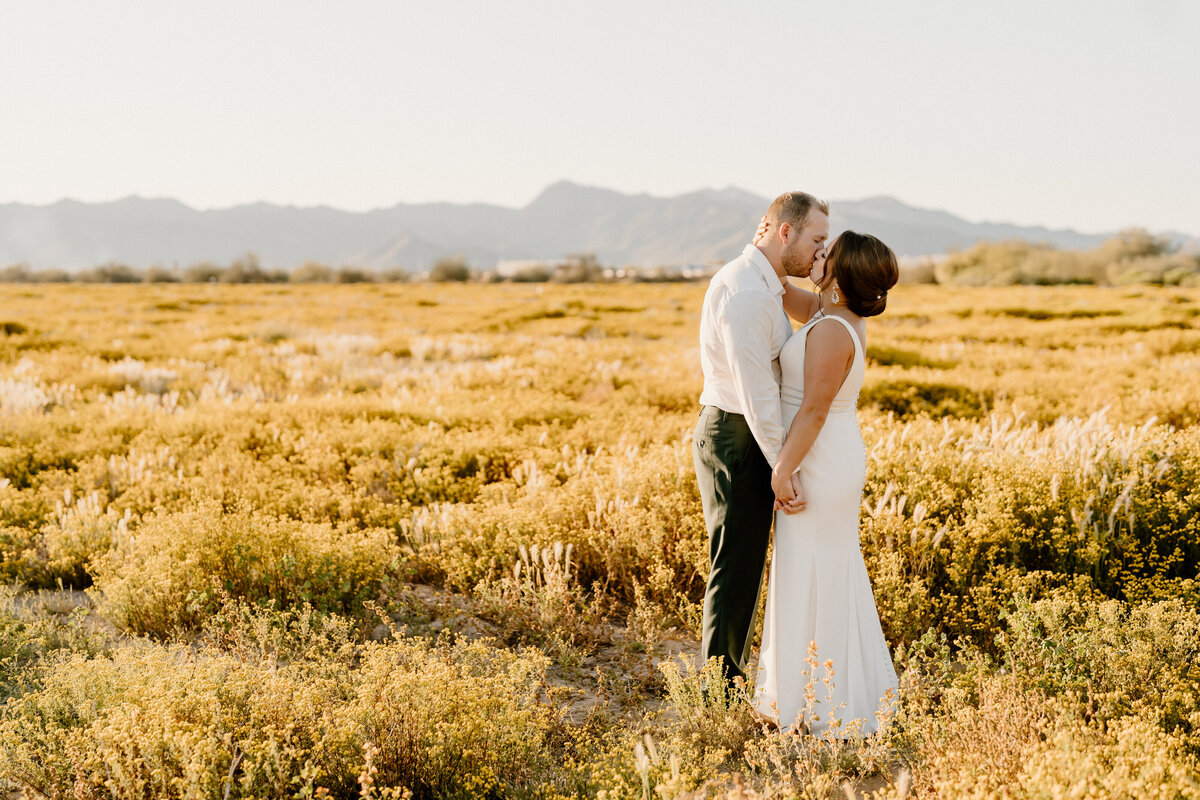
(445, 541)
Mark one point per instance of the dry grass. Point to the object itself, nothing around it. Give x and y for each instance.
(373, 539)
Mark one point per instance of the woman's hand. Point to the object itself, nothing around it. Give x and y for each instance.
(761, 233)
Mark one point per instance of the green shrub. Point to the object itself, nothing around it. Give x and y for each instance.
(204, 272)
(1132, 256)
(355, 275)
(32, 627)
(110, 273)
(895, 357)
(453, 269)
(280, 711)
(632, 520)
(1108, 511)
(1042, 314)
(161, 275)
(908, 399)
(170, 573)
(1098, 697)
(312, 272)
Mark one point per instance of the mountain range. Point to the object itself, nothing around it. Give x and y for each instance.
(620, 229)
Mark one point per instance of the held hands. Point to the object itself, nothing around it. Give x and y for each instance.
(789, 493)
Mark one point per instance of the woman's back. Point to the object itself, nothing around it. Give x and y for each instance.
(791, 363)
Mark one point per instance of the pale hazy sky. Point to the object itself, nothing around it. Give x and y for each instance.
(1079, 114)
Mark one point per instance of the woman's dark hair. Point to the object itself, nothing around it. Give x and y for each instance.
(864, 268)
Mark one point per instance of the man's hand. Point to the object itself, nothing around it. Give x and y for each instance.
(789, 494)
(799, 500)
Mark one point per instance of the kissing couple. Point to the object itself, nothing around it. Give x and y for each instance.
(778, 440)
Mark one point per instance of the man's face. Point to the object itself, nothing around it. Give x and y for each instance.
(800, 251)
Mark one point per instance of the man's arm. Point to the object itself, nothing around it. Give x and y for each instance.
(747, 321)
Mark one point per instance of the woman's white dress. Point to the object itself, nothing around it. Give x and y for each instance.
(818, 588)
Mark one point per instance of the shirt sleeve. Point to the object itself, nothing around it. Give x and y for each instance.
(746, 322)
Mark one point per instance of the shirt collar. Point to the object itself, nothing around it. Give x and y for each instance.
(764, 266)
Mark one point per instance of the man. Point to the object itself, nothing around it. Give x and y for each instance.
(740, 432)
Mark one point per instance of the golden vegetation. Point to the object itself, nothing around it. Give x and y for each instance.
(1132, 256)
(445, 541)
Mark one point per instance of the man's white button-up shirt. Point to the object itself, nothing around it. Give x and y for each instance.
(742, 328)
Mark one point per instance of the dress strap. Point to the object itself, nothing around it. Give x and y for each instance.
(858, 351)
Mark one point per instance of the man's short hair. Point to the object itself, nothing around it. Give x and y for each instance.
(794, 208)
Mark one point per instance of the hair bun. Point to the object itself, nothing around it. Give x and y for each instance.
(865, 268)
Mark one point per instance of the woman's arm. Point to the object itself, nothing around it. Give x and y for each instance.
(829, 354)
(799, 304)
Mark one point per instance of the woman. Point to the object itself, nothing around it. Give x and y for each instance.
(824, 665)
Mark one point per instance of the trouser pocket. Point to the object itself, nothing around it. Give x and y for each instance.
(723, 439)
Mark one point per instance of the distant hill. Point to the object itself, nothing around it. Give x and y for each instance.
(621, 229)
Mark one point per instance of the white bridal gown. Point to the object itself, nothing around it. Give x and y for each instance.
(818, 588)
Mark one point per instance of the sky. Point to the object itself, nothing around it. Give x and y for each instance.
(1067, 114)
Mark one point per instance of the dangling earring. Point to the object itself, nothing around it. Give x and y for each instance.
(835, 298)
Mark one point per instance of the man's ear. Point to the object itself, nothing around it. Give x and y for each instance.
(785, 230)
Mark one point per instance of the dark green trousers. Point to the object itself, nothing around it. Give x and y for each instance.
(735, 490)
